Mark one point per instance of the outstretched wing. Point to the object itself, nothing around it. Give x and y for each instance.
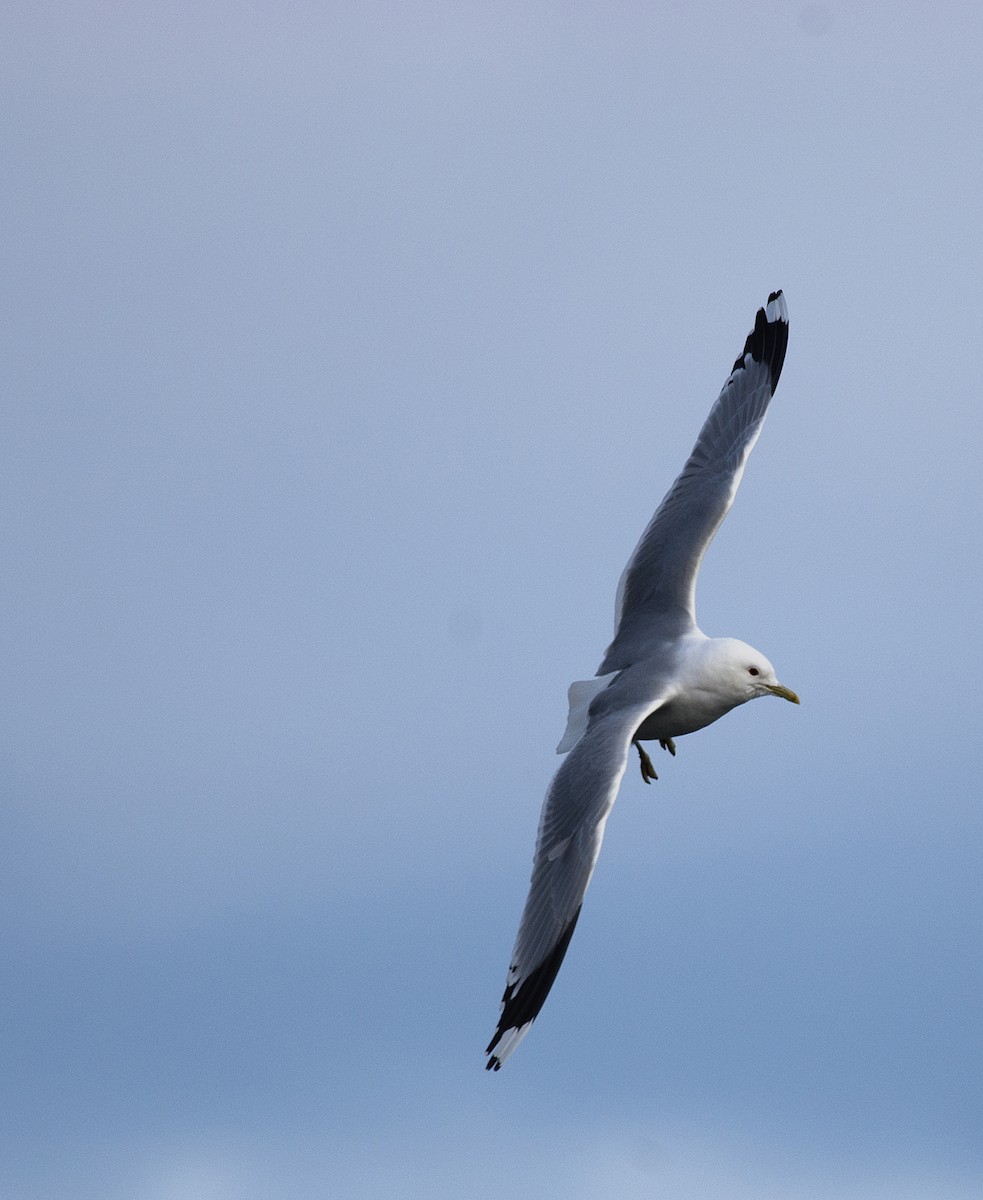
(571, 828)
(657, 592)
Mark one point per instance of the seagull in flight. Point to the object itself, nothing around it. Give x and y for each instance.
(660, 678)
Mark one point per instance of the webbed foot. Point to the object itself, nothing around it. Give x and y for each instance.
(668, 744)
(648, 771)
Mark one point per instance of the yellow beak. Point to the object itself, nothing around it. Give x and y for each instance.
(776, 689)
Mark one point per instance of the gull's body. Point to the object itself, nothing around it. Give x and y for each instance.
(660, 678)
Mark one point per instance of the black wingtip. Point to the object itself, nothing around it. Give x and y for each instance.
(521, 1004)
(768, 340)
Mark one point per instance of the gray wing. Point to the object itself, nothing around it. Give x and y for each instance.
(571, 828)
(657, 592)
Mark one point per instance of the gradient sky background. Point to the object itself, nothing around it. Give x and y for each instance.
(348, 348)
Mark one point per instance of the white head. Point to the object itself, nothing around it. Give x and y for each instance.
(743, 673)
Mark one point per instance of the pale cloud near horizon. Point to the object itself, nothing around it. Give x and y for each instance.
(637, 1163)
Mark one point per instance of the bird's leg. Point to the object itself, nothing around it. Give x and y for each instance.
(648, 771)
(668, 744)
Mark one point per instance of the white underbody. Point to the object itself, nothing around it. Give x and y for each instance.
(700, 693)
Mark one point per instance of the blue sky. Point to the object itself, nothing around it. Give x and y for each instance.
(348, 348)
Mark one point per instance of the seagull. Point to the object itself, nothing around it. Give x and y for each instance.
(661, 677)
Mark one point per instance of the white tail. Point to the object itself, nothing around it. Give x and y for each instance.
(579, 697)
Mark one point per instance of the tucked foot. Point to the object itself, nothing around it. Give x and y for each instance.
(668, 744)
(648, 771)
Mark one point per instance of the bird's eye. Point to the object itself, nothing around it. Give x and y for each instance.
(753, 671)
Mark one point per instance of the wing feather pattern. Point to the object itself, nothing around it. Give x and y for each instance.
(660, 578)
(571, 829)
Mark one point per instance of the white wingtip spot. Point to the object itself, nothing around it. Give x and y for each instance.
(777, 310)
(508, 1043)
